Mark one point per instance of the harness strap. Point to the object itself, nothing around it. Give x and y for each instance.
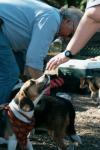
(54, 83)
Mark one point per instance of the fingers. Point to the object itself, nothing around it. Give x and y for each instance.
(56, 61)
(52, 64)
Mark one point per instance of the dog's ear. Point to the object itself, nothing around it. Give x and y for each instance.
(26, 104)
(24, 78)
(32, 82)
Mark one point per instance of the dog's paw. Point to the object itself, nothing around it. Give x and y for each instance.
(59, 148)
(76, 138)
(64, 95)
(99, 106)
(29, 145)
(71, 147)
(3, 141)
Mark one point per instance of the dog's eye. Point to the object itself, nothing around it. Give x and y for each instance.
(32, 81)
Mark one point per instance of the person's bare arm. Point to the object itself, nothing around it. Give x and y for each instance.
(89, 24)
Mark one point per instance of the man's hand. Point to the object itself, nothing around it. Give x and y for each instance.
(56, 61)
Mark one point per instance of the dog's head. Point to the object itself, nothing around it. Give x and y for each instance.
(32, 90)
(85, 81)
(93, 83)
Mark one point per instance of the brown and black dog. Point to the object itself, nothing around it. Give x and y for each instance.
(34, 108)
(58, 117)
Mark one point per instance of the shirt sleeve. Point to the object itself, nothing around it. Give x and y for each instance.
(92, 3)
(43, 33)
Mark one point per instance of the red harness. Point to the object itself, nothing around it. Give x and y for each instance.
(54, 83)
(20, 128)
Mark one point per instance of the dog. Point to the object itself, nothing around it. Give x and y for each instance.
(93, 84)
(55, 114)
(20, 113)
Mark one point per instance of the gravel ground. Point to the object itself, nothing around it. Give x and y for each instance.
(87, 122)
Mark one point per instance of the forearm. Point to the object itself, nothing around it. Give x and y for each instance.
(86, 29)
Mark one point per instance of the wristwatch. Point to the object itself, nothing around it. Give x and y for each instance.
(68, 54)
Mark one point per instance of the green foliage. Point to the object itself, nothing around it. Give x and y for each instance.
(83, 4)
(58, 3)
(55, 3)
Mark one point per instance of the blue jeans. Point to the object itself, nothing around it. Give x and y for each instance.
(20, 59)
(9, 71)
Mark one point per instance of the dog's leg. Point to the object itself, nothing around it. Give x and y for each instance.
(59, 142)
(58, 138)
(29, 145)
(71, 147)
(98, 99)
(59, 135)
(59, 148)
(76, 138)
(3, 140)
(31, 134)
(12, 142)
(93, 94)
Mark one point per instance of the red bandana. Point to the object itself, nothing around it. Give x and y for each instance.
(20, 128)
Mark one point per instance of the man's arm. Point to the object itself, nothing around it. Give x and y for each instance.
(43, 33)
(88, 26)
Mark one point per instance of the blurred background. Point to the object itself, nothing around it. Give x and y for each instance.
(58, 3)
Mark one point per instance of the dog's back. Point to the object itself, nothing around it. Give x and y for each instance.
(56, 114)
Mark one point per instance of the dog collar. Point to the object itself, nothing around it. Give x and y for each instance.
(18, 112)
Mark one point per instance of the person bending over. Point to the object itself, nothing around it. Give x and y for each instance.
(29, 27)
(88, 26)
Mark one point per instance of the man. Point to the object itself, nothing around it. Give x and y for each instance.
(29, 27)
(88, 26)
